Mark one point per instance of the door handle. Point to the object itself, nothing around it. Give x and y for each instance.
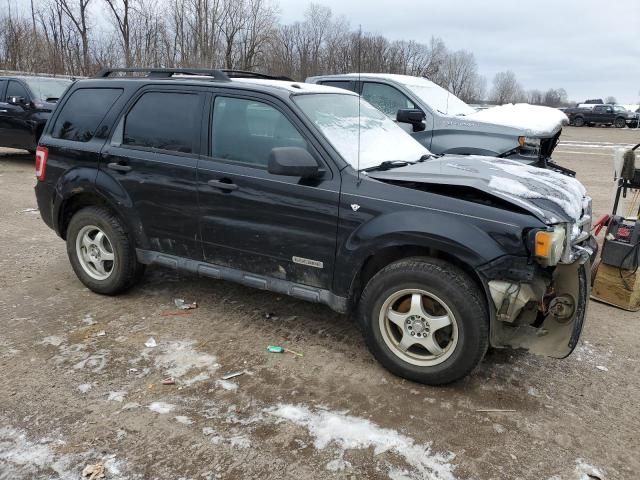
(3, 111)
(119, 167)
(223, 185)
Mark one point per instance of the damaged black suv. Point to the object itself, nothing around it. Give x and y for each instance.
(309, 191)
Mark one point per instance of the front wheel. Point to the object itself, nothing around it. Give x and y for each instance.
(578, 122)
(101, 253)
(425, 320)
(620, 123)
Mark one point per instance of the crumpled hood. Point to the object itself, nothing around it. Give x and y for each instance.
(550, 196)
(533, 120)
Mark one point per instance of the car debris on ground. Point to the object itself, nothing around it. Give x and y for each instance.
(169, 381)
(93, 471)
(277, 349)
(151, 343)
(182, 305)
(230, 375)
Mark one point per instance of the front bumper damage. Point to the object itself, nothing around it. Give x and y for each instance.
(543, 309)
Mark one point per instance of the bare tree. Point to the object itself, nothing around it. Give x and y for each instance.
(121, 13)
(506, 88)
(611, 100)
(76, 12)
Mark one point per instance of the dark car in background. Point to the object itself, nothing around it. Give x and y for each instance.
(26, 103)
(604, 114)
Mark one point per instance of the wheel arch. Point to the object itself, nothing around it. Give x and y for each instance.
(385, 256)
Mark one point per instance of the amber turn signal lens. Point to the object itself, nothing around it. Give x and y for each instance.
(544, 241)
(522, 140)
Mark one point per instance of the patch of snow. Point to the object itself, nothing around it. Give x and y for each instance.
(151, 343)
(350, 432)
(131, 406)
(183, 420)
(88, 319)
(533, 392)
(239, 441)
(52, 340)
(161, 407)
(84, 387)
(208, 431)
(117, 396)
(602, 367)
(499, 428)
(227, 385)
(531, 119)
(179, 358)
(338, 465)
(584, 471)
(201, 377)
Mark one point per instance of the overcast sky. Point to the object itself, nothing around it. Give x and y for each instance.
(591, 48)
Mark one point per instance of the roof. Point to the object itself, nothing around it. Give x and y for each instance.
(403, 79)
(293, 87)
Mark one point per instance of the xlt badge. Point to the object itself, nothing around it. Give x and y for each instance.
(308, 262)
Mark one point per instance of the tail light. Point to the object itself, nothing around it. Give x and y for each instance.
(42, 154)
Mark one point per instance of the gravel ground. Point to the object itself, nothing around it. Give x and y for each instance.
(79, 386)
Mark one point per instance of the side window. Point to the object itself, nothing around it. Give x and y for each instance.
(3, 85)
(609, 110)
(347, 85)
(598, 109)
(82, 113)
(164, 121)
(385, 98)
(16, 90)
(245, 131)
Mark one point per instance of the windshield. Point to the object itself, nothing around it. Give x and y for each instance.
(336, 115)
(47, 89)
(440, 99)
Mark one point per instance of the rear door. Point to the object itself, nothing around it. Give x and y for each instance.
(252, 220)
(153, 155)
(3, 111)
(15, 126)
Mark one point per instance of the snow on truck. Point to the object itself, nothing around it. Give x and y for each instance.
(444, 124)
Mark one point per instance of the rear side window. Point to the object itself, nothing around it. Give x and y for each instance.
(83, 112)
(347, 85)
(164, 121)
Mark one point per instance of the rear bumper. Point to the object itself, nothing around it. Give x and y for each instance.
(44, 196)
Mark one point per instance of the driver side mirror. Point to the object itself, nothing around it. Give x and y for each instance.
(16, 100)
(293, 162)
(413, 116)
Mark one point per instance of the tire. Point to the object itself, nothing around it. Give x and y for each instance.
(633, 124)
(448, 293)
(578, 122)
(620, 123)
(113, 250)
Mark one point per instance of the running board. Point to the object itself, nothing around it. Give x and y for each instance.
(203, 269)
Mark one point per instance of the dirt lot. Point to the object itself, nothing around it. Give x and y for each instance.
(80, 387)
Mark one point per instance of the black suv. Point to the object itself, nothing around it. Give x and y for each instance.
(308, 191)
(26, 103)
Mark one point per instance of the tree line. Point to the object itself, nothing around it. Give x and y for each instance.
(80, 37)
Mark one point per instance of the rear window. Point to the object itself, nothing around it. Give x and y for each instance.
(345, 84)
(164, 121)
(83, 112)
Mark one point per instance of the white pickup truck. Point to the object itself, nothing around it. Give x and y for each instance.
(444, 124)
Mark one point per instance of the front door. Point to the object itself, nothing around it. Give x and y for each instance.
(15, 128)
(153, 155)
(252, 220)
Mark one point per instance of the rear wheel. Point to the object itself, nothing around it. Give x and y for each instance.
(578, 122)
(620, 123)
(101, 252)
(424, 320)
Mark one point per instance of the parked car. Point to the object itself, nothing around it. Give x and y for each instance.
(615, 115)
(25, 106)
(261, 182)
(445, 124)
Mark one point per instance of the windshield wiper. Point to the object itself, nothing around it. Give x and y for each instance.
(389, 164)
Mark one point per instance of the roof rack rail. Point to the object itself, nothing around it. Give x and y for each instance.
(165, 72)
(247, 74)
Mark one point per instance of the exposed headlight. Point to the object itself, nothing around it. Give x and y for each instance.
(529, 142)
(549, 245)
